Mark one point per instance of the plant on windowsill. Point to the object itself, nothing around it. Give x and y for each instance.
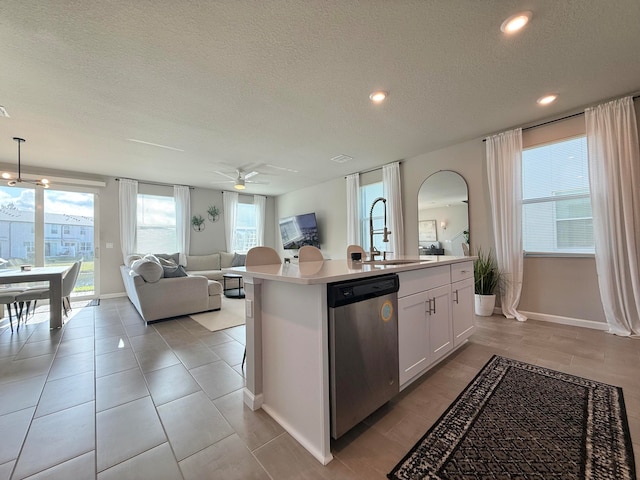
(214, 213)
(197, 222)
(487, 278)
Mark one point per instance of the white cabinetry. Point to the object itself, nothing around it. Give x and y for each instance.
(434, 315)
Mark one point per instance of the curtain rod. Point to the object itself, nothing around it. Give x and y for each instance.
(558, 119)
(372, 169)
(155, 183)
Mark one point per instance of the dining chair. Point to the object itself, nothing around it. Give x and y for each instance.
(68, 284)
(38, 293)
(8, 298)
(309, 253)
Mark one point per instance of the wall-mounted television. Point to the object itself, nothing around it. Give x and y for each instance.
(298, 231)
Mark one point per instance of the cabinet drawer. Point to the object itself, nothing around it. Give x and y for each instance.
(461, 271)
(415, 281)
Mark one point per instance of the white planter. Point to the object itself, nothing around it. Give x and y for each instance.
(484, 304)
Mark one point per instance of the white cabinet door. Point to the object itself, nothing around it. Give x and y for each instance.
(413, 335)
(439, 318)
(462, 310)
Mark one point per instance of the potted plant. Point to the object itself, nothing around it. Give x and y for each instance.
(214, 213)
(487, 282)
(197, 222)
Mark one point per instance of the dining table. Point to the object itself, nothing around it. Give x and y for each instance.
(52, 275)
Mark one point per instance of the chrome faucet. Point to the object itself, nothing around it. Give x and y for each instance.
(373, 251)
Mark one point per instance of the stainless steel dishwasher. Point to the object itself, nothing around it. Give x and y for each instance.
(363, 348)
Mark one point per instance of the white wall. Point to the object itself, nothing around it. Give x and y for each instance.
(328, 200)
(210, 240)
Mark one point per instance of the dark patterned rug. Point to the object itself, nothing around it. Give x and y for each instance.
(516, 420)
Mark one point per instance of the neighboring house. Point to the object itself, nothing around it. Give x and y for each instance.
(65, 236)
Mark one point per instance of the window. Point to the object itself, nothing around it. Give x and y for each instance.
(54, 230)
(156, 231)
(556, 201)
(368, 193)
(246, 228)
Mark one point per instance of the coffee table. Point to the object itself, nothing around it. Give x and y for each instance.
(236, 291)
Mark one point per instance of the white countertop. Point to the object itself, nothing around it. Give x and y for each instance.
(328, 271)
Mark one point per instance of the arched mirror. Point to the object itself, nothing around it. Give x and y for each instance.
(443, 215)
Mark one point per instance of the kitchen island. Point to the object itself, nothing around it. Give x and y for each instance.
(287, 372)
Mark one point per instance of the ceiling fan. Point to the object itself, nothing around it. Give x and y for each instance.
(240, 178)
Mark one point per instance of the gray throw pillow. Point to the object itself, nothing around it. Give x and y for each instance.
(174, 272)
(238, 260)
(170, 256)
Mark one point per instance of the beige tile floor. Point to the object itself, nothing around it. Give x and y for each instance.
(107, 397)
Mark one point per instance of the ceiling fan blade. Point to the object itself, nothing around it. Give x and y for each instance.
(250, 174)
(224, 174)
(256, 183)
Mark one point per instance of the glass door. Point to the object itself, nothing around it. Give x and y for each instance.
(69, 233)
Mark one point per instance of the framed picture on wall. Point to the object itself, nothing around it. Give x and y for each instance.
(427, 231)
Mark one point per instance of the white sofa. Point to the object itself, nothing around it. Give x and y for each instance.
(171, 297)
(211, 266)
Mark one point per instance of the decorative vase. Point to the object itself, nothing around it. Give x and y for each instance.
(213, 218)
(485, 304)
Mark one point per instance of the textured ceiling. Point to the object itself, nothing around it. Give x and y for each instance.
(285, 83)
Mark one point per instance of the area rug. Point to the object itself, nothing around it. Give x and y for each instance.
(230, 315)
(516, 420)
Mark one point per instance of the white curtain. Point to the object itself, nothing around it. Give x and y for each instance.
(260, 202)
(614, 176)
(182, 197)
(353, 211)
(230, 207)
(393, 193)
(504, 169)
(128, 193)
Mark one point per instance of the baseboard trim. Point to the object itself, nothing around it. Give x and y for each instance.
(298, 437)
(575, 322)
(254, 402)
(112, 295)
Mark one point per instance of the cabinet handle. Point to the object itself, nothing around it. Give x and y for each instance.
(429, 306)
(456, 299)
(434, 305)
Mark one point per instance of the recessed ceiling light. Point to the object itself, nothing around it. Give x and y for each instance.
(516, 22)
(378, 96)
(547, 99)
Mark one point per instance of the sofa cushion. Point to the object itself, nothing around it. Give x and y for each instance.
(129, 259)
(174, 271)
(149, 270)
(203, 262)
(238, 260)
(226, 259)
(215, 288)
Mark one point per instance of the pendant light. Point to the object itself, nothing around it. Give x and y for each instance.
(43, 182)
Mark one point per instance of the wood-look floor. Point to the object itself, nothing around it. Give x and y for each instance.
(107, 397)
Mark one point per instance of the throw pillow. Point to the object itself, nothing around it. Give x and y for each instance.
(131, 258)
(149, 270)
(167, 263)
(238, 260)
(175, 257)
(152, 258)
(174, 272)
